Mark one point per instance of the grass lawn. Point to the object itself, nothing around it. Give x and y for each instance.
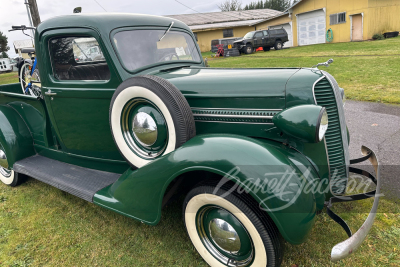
(43, 226)
(6, 78)
(368, 71)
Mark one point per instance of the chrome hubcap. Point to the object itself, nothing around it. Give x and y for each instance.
(145, 129)
(224, 236)
(3, 159)
(4, 171)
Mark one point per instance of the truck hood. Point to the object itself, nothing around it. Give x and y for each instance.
(232, 88)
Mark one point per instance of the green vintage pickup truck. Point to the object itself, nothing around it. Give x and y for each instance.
(254, 154)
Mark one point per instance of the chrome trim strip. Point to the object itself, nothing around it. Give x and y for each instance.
(343, 127)
(233, 116)
(241, 109)
(313, 90)
(261, 123)
(327, 158)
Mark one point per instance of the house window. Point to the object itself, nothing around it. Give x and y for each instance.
(195, 36)
(338, 18)
(228, 33)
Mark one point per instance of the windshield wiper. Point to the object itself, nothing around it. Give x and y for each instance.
(169, 28)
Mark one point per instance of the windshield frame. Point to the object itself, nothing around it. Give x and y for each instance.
(157, 64)
(252, 35)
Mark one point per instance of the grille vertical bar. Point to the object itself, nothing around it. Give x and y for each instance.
(325, 96)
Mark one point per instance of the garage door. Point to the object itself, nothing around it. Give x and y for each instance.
(311, 27)
(288, 29)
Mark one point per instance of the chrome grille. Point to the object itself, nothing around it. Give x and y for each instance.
(326, 95)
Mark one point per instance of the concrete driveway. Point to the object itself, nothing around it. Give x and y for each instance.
(377, 126)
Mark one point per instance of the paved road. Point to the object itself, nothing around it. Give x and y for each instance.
(377, 126)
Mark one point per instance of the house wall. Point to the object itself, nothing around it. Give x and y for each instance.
(341, 32)
(205, 37)
(384, 16)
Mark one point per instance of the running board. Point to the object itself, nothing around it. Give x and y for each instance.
(78, 181)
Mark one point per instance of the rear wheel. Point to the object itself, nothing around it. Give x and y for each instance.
(266, 48)
(278, 45)
(8, 176)
(227, 231)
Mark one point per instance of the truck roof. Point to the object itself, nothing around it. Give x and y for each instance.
(106, 22)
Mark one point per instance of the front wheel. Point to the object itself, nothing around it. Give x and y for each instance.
(227, 231)
(248, 49)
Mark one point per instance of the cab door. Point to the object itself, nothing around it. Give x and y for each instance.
(78, 91)
(258, 39)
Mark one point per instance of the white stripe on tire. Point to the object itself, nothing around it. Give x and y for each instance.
(124, 97)
(201, 200)
(7, 180)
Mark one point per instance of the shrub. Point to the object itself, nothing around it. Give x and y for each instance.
(378, 36)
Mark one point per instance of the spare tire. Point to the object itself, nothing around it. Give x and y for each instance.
(149, 117)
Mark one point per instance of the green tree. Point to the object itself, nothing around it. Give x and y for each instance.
(3, 43)
(4, 55)
(230, 5)
(280, 5)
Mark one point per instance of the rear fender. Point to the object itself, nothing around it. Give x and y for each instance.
(258, 166)
(15, 137)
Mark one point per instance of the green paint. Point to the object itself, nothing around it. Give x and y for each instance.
(138, 193)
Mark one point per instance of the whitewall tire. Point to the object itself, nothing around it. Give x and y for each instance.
(241, 237)
(149, 117)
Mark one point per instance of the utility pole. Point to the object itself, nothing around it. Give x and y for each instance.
(29, 17)
(34, 12)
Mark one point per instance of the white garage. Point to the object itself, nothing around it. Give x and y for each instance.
(288, 29)
(311, 27)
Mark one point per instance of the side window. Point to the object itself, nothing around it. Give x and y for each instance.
(265, 33)
(78, 58)
(258, 34)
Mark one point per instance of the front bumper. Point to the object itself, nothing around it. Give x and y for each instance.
(348, 246)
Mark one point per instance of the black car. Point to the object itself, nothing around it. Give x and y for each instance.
(265, 39)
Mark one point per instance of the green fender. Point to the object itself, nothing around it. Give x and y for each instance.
(15, 137)
(256, 164)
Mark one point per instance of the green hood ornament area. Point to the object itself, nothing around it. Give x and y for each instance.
(131, 119)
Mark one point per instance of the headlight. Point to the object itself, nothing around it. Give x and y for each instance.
(306, 122)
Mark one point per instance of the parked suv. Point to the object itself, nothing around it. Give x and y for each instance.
(265, 39)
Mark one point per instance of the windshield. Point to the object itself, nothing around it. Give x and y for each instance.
(139, 48)
(249, 35)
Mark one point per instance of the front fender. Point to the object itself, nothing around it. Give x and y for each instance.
(274, 175)
(15, 137)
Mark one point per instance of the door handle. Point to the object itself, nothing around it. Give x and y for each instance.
(49, 93)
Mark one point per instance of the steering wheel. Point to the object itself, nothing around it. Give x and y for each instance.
(168, 57)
